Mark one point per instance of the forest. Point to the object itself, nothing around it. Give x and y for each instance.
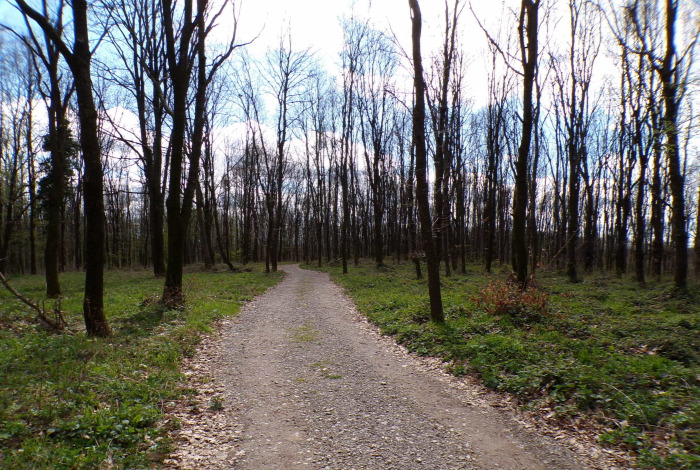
(179, 148)
(147, 135)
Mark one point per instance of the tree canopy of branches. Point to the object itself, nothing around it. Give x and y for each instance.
(139, 137)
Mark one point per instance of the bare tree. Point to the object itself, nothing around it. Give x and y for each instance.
(185, 49)
(285, 74)
(56, 91)
(134, 30)
(527, 33)
(16, 112)
(378, 65)
(351, 56)
(672, 67)
(496, 109)
(576, 108)
(79, 60)
(442, 158)
(433, 262)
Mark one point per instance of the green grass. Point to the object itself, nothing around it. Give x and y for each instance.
(604, 349)
(69, 401)
(305, 334)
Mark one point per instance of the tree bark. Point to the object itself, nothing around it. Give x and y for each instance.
(180, 65)
(436, 312)
(529, 9)
(93, 304)
(670, 75)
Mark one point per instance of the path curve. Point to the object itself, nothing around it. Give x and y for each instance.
(305, 382)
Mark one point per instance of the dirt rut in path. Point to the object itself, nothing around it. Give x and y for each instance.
(306, 383)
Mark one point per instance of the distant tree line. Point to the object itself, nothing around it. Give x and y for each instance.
(160, 147)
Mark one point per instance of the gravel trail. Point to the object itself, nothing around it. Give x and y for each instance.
(305, 382)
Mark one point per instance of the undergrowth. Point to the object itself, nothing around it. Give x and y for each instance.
(69, 401)
(604, 349)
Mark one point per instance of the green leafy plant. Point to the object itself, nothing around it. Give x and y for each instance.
(216, 403)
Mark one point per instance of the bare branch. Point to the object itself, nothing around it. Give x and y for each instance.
(507, 57)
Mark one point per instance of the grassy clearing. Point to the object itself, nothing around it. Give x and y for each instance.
(77, 402)
(605, 349)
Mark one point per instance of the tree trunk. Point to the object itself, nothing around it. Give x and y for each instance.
(93, 304)
(79, 62)
(528, 8)
(204, 232)
(657, 202)
(494, 112)
(640, 233)
(31, 180)
(669, 77)
(412, 235)
(589, 229)
(180, 68)
(436, 312)
(573, 224)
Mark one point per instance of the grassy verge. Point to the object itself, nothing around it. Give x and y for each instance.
(607, 349)
(77, 402)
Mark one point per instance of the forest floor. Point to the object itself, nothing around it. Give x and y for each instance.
(300, 379)
(68, 401)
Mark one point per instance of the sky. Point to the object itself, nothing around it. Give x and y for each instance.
(315, 24)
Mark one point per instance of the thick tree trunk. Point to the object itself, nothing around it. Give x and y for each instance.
(436, 312)
(669, 77)
(528, 9)
(57, 139)
(532, 213)
(180, 67)
(152, 168)
(93, 304)
(176, 226)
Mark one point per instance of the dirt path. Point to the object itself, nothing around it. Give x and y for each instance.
(299, 380)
